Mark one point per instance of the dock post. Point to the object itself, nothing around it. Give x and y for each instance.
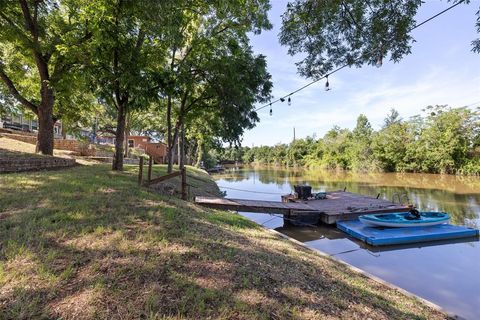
(286, 218)
(140, 171)
(184, 184)
(150, 164)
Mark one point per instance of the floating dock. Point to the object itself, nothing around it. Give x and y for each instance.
(337, 206)
(391, 236)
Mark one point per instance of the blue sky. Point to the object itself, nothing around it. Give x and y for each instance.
(442, 69)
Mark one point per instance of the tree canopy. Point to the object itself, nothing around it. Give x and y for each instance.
(329, 34)
(212, 72)
(39, 54)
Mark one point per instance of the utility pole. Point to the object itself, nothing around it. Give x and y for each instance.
(293, 133)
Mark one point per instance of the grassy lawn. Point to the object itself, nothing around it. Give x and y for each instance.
(87, 243)
(26, 148)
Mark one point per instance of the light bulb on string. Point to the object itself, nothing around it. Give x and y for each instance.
(327, 84)
(282, 99)
(289, 101)
(271, 111)
(379, 61)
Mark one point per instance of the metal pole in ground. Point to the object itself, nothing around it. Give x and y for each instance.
(140, 171)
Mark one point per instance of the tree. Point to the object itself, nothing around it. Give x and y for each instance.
(297, 151)
(476, 42)
(355, 32)
(212, 71)
(39, 49)
(334, 33)
(389, 145)
(126, 50)
(447, 138)
(392, 118)
(360, 151)
(336, 142)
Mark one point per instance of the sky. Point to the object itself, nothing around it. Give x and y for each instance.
(441, 69)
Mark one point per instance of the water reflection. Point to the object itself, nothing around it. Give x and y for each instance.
(443, 272)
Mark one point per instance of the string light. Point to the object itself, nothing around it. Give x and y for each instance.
(380, 56)
(271, 111)
(289, 101)
(327, 85)
(379, 60)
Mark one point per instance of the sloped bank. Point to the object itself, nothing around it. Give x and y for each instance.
(88, 243)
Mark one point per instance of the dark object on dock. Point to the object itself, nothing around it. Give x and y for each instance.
(337, 206)
(413, 215)
(320, 195)
(303, 191)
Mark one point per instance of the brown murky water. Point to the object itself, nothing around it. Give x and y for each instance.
(446, 273)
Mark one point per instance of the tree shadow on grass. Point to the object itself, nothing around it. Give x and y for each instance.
(115, 251)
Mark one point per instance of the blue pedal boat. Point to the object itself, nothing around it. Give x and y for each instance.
(405, 219)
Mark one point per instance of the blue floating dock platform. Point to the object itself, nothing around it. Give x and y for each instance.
(380, 236)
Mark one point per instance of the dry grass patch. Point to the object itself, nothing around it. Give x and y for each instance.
(88, 243)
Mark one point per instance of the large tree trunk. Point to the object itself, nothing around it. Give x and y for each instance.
(45, 121)
(175, 141)
(169, 136)
(171, 145)
(127, 133)
(179, 133)
(181, 147)
(199, 152)
(119, 138)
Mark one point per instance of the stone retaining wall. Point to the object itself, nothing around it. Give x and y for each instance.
(11, 162)
(82, 148)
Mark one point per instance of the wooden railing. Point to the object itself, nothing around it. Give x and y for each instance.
(150, 181)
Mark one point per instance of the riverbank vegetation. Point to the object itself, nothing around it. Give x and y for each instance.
(443, 140)
(88, 243)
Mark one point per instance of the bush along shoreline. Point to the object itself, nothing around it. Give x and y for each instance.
(443, 140)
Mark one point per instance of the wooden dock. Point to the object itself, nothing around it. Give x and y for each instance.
(338, 205)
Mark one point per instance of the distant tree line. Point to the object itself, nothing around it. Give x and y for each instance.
(444, 140)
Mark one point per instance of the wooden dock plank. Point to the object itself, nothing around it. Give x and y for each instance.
(339, 205)
(250, 205)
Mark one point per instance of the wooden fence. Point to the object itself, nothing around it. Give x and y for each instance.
(182, 173)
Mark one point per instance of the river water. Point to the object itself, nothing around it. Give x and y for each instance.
(446, 273)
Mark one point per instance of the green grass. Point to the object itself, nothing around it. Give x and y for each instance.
(88, 243)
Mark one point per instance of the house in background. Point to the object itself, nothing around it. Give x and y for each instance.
(25, 123)
(157, 150)
(105, 138)
(138, 142)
